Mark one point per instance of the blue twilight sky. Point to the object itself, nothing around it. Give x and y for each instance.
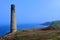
(30, 11)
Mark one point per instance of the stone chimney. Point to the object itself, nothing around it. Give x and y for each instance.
(13, 19)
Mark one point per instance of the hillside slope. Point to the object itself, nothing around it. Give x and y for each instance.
(30, 35)
(55, 25)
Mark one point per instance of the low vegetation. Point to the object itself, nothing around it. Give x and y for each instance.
(38, 35)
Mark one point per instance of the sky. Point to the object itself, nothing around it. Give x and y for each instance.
(30, 11)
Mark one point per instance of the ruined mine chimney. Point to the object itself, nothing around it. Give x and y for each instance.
(13, 19)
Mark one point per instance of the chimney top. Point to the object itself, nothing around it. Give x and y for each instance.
(12, 7)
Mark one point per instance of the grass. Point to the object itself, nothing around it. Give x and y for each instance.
(33, 35)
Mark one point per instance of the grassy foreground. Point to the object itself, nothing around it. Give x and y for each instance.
(33, 35)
